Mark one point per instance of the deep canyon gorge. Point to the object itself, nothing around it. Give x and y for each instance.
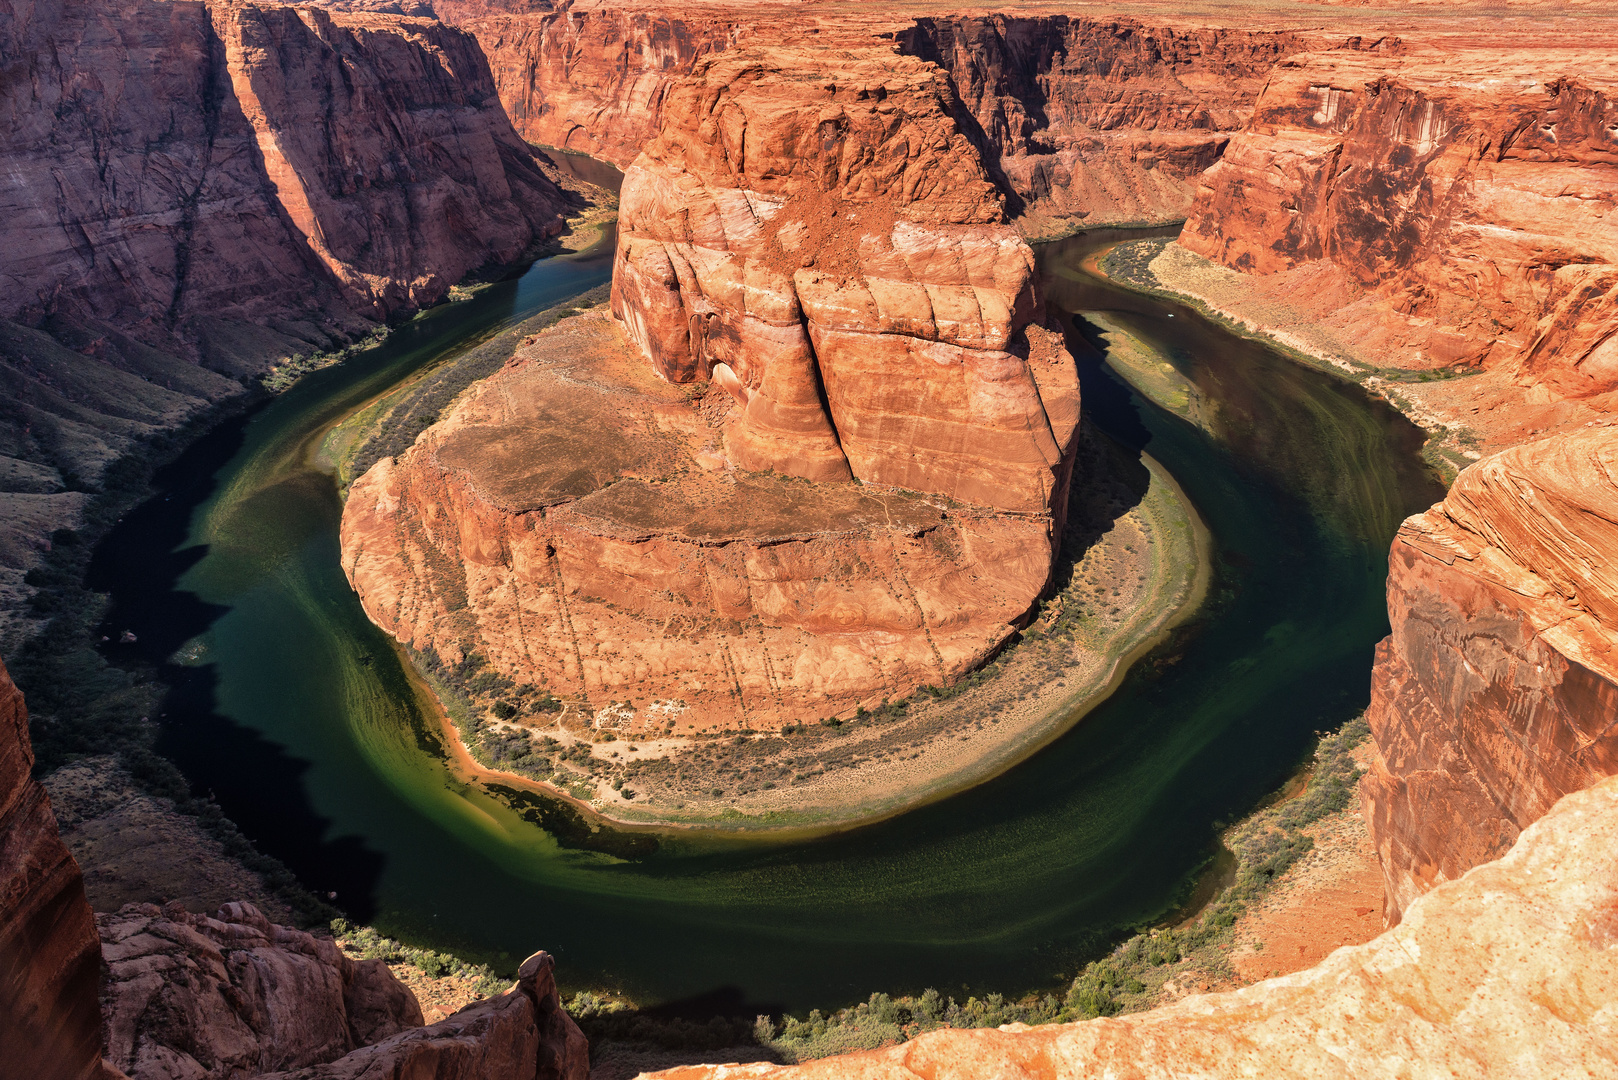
(876, 467)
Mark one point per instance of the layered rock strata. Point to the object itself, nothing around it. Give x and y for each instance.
(815, 233)
(1497, 692)
(574, 522)
(1450, 207)
(181, 165)
(1512, 971)
(1081, 119)
(49, 955)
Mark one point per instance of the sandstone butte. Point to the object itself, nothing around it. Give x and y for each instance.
(814, 242)
(1443, 192)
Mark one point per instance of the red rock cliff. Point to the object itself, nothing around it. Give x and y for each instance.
(815, 232)
(176, 164)
(1497, 692)
(49, 955)
(1472, 189)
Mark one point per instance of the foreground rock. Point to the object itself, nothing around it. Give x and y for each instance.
(1497, 692)
(235, 995)
(1511, 971)
(49, 955)
(572, 522)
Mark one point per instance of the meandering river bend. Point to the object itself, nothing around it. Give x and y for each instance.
(298, 715)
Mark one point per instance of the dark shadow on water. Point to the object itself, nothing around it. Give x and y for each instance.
(139, 564)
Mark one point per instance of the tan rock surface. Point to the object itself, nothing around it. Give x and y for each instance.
(49, 955)
(1497, 692)
(1512, 971)
(571, 521)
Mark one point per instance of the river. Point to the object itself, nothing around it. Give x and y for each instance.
(298, 716)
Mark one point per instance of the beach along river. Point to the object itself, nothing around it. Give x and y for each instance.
(298, 715)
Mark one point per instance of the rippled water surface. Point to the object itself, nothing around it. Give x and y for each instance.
(297, 714)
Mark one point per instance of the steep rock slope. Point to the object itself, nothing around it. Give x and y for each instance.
(1511, 971)
(812, 230)
(1460, 199)
(572, 522)
(175, 164)
(1497, 692)
(49, 955)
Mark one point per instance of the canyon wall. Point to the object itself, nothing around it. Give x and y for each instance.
(175, 165)
(1512, 971)
(1095, 120)
(1461, 199)
(1081, 120)
(49, 956)
(1497, 692)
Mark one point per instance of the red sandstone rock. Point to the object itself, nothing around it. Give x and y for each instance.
(1472, 188)
(1497, 692)
(234, 994)
(522, 1034)
(1511, 971)
(49, 955)
(818, 223)
(570, 521)
(173, 165)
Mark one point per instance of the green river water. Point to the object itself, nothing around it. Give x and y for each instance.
(296, 713)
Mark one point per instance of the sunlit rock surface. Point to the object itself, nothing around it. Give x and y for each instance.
(1497, 692)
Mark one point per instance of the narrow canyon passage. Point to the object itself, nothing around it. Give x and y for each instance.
(298, 715)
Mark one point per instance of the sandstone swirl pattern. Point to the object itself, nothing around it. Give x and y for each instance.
(1497, 692)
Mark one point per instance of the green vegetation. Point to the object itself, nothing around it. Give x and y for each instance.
(365, 943)
(1130, 978)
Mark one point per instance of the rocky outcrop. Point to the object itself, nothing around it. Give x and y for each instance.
(815, 232)
(49, 956)
(187, 167)
(1511, 971)
(572, 521)
(1460, 200)
(522, 1034)
(1497, 692)
(233, 995)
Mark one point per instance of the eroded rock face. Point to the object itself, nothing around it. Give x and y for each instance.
(49, 955)
(1473, 189)
(814, 231)
(175, 165)
(573, 522)
(1100, 120)
(233, 994)
(1511, 971)
(1497, 692)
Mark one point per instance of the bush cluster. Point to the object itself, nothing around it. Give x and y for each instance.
(366, 943)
